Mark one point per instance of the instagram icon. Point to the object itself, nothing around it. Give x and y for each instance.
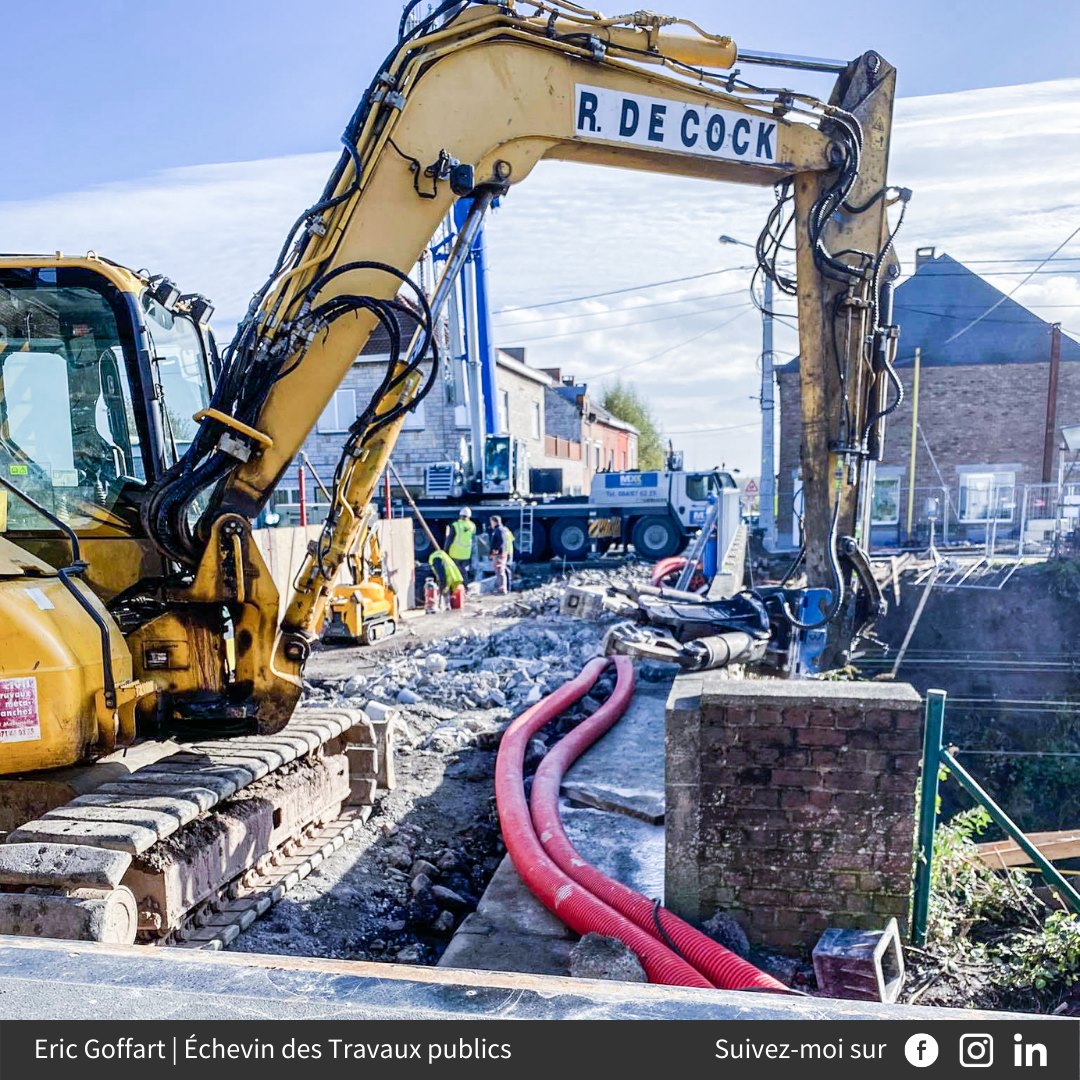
(976, 1051)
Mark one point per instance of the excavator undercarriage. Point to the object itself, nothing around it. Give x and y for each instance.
(192, 848)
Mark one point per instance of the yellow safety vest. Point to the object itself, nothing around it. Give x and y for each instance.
(461, 545)
(509, 544)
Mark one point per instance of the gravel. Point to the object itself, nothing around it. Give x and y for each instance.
(400, 887)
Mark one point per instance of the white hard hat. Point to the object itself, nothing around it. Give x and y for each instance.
(465, 512)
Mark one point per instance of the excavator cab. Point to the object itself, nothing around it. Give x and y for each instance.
(101, 373)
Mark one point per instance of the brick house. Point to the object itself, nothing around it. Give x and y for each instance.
(436, 431)
(607, 443)
(983, 406)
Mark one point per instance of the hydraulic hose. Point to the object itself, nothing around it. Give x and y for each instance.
(558, 892)
(722, 967)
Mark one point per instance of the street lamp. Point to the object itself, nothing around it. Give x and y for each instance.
(767, 493)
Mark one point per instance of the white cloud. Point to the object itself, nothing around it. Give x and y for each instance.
(991, 171)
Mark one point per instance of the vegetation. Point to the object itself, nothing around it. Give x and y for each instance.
(624, 402)
(991, 941)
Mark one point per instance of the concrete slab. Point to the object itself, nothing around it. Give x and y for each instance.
(629, 759)
(68, 980)
(508, 904)
(511, 930)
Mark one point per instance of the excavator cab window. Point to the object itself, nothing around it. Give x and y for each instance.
(180, 373)
(68, 436)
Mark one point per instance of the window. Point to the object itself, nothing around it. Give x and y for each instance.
(504, 410)
(536, 426)
(67, 431)
(414, 421)
(181, 371)
(596, 456)
(339, 413)
(886, 509)
(987, 496)
(697, 486)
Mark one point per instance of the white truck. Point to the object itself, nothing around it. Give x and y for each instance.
(655, 511)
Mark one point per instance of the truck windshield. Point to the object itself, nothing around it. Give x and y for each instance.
(67, 431)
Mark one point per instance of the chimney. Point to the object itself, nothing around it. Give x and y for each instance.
(568, 380)
(924, 255)
(553, 373)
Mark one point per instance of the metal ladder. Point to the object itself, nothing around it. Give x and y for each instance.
(524, 541)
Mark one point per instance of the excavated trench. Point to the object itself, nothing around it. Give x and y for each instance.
(398, 889)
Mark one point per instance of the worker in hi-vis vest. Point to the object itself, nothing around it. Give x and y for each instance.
(460, 535)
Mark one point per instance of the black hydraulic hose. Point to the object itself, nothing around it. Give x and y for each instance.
(838, 583)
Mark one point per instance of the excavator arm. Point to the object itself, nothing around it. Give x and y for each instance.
(466, 104)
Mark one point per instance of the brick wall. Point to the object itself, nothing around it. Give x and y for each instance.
(979, 414)
(790, 805)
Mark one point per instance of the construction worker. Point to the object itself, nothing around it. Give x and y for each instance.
(460, 535)
(501, 546)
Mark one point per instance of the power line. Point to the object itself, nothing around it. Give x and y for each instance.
(619, 310)
(621, 326)
(616, 292)
(998, 303)
(671, 348)
(708, 430)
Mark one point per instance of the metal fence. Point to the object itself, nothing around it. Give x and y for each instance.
(1050, 519)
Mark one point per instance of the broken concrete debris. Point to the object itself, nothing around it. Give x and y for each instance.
(400, 888)
(598, 957)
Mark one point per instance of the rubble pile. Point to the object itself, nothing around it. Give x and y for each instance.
(477, 668)
(398, 890)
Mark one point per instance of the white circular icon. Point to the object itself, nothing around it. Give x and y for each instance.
(921, 1050)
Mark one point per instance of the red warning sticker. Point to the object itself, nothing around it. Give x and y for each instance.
(19, 721)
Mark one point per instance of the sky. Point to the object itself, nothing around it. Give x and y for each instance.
(195, 141)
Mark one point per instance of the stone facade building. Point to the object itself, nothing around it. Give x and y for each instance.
(438, 429)
(983, 397)
(607, 443)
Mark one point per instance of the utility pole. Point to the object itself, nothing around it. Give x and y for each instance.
(767, 399)
(767, 496)
(1051, 404)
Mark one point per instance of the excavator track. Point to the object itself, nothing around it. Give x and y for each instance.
(191, 849)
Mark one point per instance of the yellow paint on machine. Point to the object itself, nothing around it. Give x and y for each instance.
(50, 667)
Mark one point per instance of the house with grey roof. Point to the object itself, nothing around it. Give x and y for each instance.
(989, 413)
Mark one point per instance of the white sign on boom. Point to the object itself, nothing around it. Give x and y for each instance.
(664, 124)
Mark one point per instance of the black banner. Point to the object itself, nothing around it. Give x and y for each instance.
(762, 1050)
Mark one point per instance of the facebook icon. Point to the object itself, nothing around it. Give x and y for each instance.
(921, 1050)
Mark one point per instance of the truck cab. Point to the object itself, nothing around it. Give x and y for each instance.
(660, 509)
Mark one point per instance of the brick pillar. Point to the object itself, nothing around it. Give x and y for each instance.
(790, 804)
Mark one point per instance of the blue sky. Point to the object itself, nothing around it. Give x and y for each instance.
(187, 139)
(114, 89)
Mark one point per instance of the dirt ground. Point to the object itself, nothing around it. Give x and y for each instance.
(368, 901)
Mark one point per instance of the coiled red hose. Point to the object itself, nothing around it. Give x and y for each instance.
(665, 567)
(722, 967)
(558, 892)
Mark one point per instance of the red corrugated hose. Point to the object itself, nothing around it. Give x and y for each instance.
(665, 567)
(560, 894)
(578, 894)
(722, 967)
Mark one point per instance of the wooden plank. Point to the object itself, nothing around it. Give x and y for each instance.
(1001, 854)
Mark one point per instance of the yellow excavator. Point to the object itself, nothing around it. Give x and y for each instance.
(363, 608)
(134, 456)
